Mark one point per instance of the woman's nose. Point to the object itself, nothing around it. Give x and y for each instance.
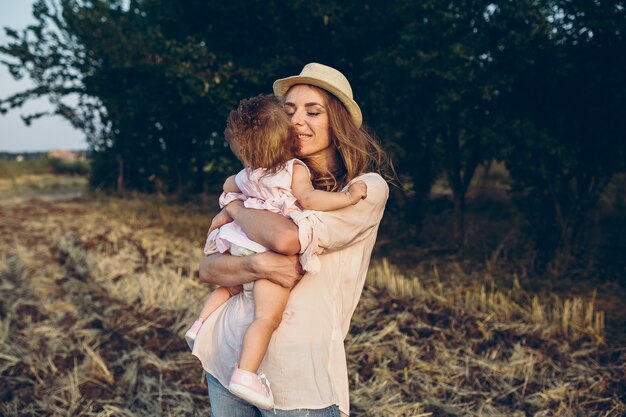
(296, 119)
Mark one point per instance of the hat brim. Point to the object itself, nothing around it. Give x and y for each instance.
(283, 85)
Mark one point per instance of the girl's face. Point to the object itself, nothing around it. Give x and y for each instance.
(309, 115)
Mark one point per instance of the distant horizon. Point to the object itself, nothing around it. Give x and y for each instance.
(46, 151)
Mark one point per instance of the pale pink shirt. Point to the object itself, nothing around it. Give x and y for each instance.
(305, 362)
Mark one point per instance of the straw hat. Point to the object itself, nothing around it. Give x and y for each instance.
(327, 78)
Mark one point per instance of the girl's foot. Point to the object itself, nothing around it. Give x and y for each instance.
(191, 334)
(251, 387)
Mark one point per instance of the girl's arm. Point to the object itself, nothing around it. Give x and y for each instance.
(230, 186)
(312, 199)
(332, 230)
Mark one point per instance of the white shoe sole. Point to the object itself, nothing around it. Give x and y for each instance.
(251, 396)
(190, 337)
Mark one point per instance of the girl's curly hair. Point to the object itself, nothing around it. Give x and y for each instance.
(261, 134)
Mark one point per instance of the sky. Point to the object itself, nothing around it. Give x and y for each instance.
(44, 134)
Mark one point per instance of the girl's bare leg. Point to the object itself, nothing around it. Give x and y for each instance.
(269, 303)
(216, 299)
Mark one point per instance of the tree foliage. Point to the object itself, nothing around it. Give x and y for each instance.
(568, 137)
(444, 73)
(448, 85)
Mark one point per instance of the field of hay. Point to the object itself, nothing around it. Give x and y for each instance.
(96, 293)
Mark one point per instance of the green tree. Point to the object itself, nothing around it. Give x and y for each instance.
(153, 92)
(569, 138)
(448, 85)
(438, 80)
(149, 104)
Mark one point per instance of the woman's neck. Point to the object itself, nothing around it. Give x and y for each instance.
(325, 162)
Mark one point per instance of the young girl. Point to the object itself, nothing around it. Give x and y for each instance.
(262, 136)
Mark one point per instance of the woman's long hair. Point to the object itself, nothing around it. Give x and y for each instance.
(358, 151)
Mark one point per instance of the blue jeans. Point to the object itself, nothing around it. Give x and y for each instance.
(225, 404)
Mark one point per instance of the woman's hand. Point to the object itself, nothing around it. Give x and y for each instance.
(220, 220)
(283, 270)
(228, 271)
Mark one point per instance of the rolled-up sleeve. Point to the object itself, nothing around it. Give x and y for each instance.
(227, 198)
(326, 231)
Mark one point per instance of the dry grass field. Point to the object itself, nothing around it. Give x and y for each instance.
(96, 293)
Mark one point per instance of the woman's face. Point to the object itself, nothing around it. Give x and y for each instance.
(309, 115)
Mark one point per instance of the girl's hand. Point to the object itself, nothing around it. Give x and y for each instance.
(283, 270)
(357, 192)
(220, 220)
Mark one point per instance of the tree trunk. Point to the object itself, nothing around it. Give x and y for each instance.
(458, 231)
(458, 172)
(120, 174)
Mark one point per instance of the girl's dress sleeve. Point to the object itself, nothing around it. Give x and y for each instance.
(210, 246)
(320, 231)
(226, 198)
(241, 179)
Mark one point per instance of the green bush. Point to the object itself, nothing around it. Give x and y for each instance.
(10, 167)
(61, 167)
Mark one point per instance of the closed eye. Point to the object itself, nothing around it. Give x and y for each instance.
(289, 109)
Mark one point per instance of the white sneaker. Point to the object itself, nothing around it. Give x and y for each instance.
(251, 387)
(192, 333)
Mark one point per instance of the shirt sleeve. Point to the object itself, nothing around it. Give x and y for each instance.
(320, 231)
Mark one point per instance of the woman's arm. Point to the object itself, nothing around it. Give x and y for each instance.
(228, 271)
(272, 230)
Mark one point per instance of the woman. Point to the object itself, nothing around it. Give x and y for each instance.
(306, 358)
